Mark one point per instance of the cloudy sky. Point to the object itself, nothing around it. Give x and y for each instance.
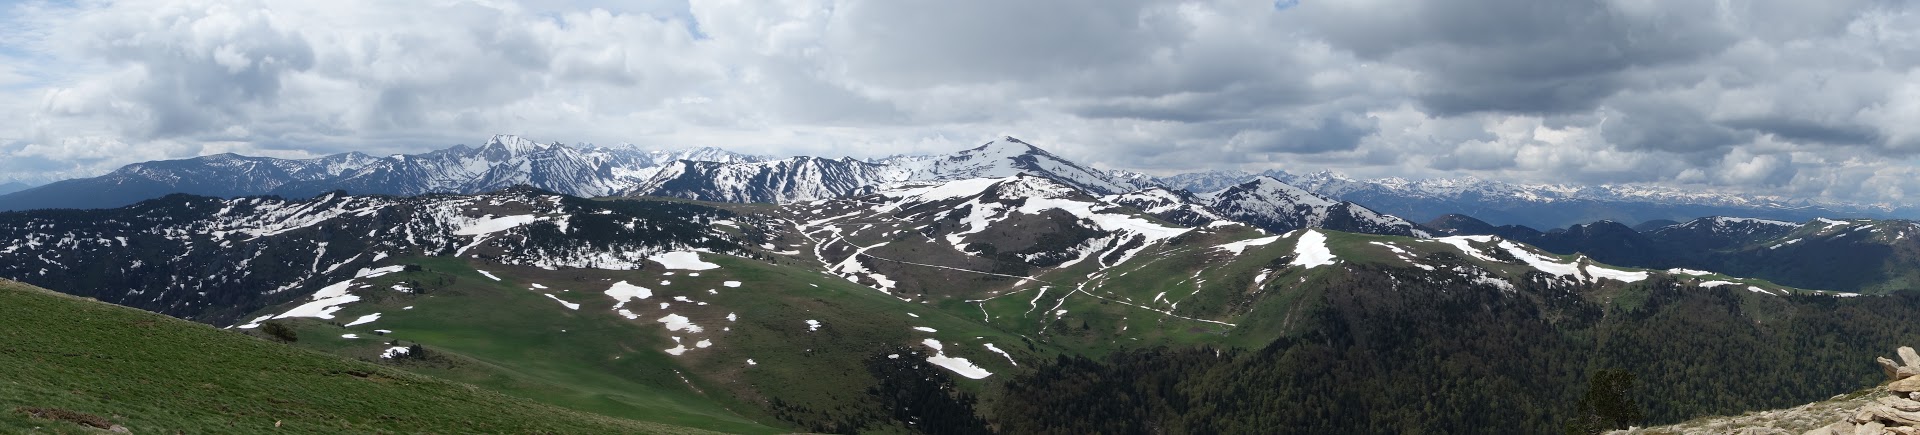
(1801, 98)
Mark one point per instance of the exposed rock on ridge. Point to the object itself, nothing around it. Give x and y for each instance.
(1891, 409)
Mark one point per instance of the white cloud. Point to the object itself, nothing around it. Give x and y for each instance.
(1814, 98)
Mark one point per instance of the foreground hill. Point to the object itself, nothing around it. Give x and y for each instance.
(70, 365)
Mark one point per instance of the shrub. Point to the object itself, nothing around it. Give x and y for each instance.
(280, 331)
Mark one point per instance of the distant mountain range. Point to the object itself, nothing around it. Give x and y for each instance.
(1851, 255)
(1540, 206)
(503, 161)
(712, 174)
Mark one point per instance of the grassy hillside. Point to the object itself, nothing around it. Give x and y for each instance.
(91, 365)
(515, 336)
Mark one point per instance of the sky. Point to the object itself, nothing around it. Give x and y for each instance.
(1812, 99)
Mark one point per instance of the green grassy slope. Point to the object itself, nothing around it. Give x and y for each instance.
(155, 374)
(509, 336)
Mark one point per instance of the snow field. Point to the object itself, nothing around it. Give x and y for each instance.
(958, 365)
(682, 260)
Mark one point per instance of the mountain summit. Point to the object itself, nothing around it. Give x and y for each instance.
(506, 160)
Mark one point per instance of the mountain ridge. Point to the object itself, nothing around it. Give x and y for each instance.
(1541, 205)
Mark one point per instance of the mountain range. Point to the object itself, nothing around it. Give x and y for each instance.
(1852, 255)
(1541, 206)
(713, 174)
(503, 161)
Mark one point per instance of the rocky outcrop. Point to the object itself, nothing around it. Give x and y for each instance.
(1893, 408)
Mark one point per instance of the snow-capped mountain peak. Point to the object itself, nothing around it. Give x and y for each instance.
(1275, 205)
(713, 174)
(505, 146)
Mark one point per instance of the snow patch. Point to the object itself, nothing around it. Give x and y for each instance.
(622, 292)
(494, 225)
(325, 302)
(1614, 274)
(1002, 353)
(1462, 243)
(364, 319)
(569, 305)
(1311, 251)
(1241, 246)
(958, 365)
(682, 260)
(676, 322)
(379, 272)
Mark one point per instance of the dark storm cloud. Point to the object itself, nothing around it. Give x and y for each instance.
(1658, 124)
(1312, 136)
(1520, 56)
(1810, 131)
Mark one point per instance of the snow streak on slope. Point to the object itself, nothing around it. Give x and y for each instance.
(1580, 270)
(990, 202)
(1241, 246)
(208, 249)
(958, 365)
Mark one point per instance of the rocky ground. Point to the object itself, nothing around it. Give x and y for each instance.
(1893, 408)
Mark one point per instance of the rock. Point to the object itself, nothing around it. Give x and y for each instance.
(1841, 428)
(119, 429)
(1887, 366)
(1904, 430)
(1761, 431)
(1861, 416)
(1887, 413)
(1908, 357)
(1900, 403)
(1907, 385)
(1871, 428)
(1904, 372)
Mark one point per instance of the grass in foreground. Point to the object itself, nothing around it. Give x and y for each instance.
(69, 365)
